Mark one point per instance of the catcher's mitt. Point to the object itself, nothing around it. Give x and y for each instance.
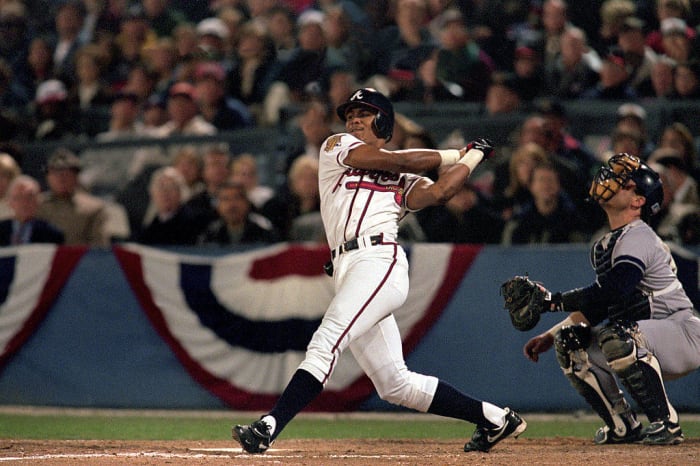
(525, 300)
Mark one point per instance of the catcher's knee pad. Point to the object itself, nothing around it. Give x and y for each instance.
(618, 344)
(568, 339)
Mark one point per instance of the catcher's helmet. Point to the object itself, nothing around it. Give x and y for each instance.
(383, 124)
(621, 168)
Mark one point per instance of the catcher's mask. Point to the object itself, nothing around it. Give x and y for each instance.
(383, 124)
(622, 168)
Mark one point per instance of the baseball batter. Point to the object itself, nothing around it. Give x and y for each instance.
(644, 326)
(365, 191)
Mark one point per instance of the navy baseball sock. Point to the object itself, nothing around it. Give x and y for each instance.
(300, 391)
(450, 402)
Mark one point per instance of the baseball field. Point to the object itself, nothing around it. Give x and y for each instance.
(115, 437)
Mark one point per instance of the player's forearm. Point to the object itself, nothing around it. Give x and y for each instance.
(422, 160)
(572, 319)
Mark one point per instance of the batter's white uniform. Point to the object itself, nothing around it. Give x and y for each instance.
(371, 281)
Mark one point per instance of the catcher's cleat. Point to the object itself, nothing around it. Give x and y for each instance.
(662, 433)
(484, 439)
(606, 436)
(254, 438)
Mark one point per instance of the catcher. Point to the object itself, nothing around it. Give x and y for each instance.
(634, 324)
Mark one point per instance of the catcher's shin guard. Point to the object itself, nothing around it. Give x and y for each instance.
(639, 371)
(606, 399)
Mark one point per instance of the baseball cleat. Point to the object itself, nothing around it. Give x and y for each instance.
(606, 436)
(484, 439)
(662, 433)
(254, 438)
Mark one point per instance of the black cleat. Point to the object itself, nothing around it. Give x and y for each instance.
(606, 436)
(484, 439)
(662, 433)
(254, 438)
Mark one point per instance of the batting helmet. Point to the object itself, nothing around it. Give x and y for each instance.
(621, 168)
(383, 124)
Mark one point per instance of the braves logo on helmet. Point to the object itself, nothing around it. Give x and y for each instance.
(383, 124)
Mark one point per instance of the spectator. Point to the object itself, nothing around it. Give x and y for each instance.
(53, 117)
(613, 14)
(550, 217)
(677, 42)
(680, 198)
(216, 170)
(154, 114)
(224, 113)
(106, 170)
(134, 34)
(614, 79)
(309, 131)
(213, 35)
(188, 162)
(173, 224)
(184, 117)
(9, 170)
(633, 117)
(307, 67)
(161, 60)
(236, 223)
(466, 218)
(40, 62)
(638, 55)
(502, 95)
(554, 22)
(662, 77)
(252, 66)
(462, 67)
(23, 226)
(15, 35)
(345, 45)
(162, 16)
(68, 21)
(81, 216)
(142, 82)
(341, 84)
(401, 48)
(244, 170)
(528, 70)
(281, 29)
(679, 137)
(511, 186)
(666, 9)
(686, 81)
(575, 69)
(299, 197)
(90, 89)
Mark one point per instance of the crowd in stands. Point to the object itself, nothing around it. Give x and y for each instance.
(128, 70)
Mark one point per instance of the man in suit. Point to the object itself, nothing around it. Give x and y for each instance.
(24, 227)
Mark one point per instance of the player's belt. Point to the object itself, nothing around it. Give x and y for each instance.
(357, 243)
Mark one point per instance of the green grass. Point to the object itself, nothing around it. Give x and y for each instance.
(172, 427)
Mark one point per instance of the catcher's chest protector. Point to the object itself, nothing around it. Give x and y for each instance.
(636, 306)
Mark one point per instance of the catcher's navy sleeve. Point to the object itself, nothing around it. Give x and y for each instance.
(612, 287)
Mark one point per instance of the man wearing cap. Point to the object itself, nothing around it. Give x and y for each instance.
(213, 35)
(676, 40)
(183, 114)
(638, 55)
(54, 118)
(225, 113)
(614, 78)
(81, 216)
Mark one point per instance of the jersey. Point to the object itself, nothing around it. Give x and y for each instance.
(637, 244)
(357, 202)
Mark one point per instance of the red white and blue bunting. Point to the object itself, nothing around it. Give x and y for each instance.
(31, 278)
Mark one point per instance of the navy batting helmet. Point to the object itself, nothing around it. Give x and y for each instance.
(383, 124)
(621, 168)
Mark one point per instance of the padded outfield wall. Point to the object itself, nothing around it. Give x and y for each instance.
(97, 346)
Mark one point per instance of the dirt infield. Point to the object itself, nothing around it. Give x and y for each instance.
(553, 451)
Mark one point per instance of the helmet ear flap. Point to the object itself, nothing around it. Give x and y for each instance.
(382, 127)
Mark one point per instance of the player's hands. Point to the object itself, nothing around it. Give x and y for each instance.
(482, 144)
(536, 345)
